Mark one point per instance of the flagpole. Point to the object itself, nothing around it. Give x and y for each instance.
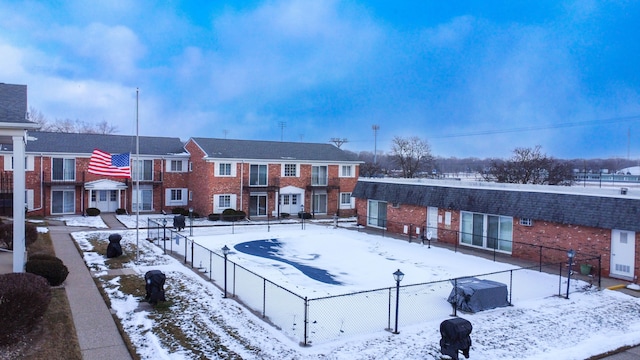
(137, 189)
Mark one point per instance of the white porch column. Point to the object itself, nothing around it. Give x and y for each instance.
(19, 179)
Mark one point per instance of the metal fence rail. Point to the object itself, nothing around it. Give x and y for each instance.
(322, 319)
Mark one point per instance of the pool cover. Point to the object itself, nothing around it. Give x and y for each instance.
(473, 295)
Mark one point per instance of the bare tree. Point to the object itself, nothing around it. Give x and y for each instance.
(70, 126)
(529, 166)
(411, 154)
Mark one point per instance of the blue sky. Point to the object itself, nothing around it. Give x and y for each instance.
(473, 78)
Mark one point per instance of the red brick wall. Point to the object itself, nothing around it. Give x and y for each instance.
(555, 238)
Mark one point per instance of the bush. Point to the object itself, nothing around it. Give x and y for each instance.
(121, 211)
(53, 270)
(179, 211)
(46, 257)
(213, 217)
(305, 215)
(285, 215)
(93, 211)
(6, 234)
(233, 215)
(25, 298)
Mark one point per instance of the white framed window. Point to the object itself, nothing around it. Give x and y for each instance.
(224, 169)
(526, 222)
(258, 175)
(319, 175)
(486, 231)
(28, 196)
(175, 197)
(346, 201)
(63, 169)
(142, 170)
(347, 171)
(190, 195)
(223, 201)
(63, 200)
(29, 163)
(377, 213)
(142, 199)
(176, 165)
(290, 170)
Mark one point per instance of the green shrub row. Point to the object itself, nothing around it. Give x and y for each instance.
(232, 215)
(183, 211)
(24, 300)
(49, 267)
(93, 211)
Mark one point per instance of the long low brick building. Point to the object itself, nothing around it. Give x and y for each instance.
(516, 220)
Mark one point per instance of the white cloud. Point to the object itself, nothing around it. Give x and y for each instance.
(115, 49)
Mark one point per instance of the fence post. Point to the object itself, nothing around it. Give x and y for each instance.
(540, 257)
(210, 267)
(599, 271)
(264, 297)
(186, 240)
(455, 300)
(389, 312)
(192, 253)
(306, 320)
(560, 281)
(510, 287)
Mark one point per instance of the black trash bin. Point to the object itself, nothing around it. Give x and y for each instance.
(455, 337)
(155, 286)
(179, 222)
(114, 249)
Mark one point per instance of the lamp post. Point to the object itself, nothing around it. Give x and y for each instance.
(225, 251)
(302, 215)
(190, 221)
(570, 254)
(164, 235)
(397, 276)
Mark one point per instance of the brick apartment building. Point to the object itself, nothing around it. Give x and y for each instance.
(258, 177)
(508, 219)
(57, 180)
(271, 178)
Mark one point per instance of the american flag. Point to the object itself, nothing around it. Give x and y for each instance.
(103, 163)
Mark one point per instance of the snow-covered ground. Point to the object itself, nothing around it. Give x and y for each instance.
(540, 325)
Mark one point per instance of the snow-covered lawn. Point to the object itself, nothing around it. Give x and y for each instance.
(540, 325)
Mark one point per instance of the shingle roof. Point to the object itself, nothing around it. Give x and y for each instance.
(606, 212)
(13, 104)
(73, 143)
(272, 150)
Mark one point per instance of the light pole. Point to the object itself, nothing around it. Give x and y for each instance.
(302, 215)
(225, 251)
(397, 276)
(164, 235)
(570, 254)
(375, 129)
(190, 221)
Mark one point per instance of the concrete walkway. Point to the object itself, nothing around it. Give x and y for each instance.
(98, 335)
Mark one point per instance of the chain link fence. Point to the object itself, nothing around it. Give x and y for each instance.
(322, 319)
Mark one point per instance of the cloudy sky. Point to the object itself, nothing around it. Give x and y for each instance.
(473, 78)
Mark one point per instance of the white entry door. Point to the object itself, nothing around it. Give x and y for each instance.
(623, 249)
(432, 223)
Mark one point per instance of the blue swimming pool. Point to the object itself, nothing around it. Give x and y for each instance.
(269, 248)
